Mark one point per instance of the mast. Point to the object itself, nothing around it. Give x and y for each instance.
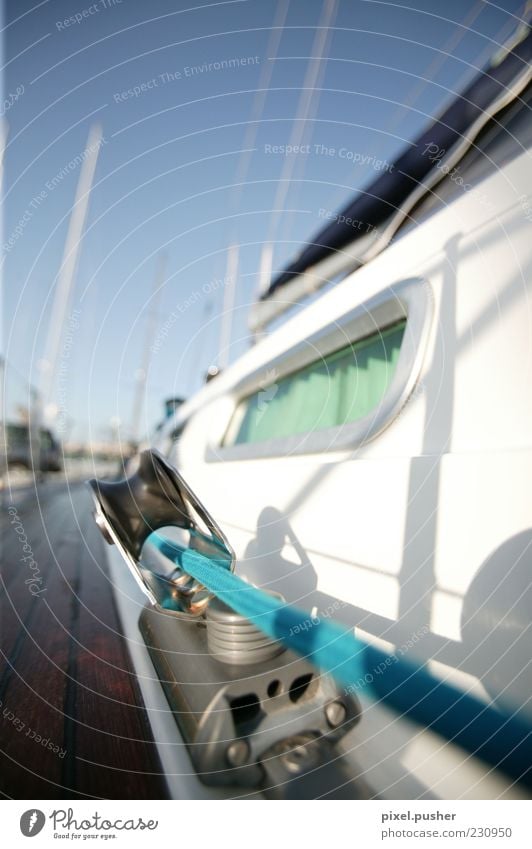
(67, 272)
(141, 375)
(228, 304)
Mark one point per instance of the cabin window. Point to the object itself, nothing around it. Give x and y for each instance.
(334, 389)
(343, 387)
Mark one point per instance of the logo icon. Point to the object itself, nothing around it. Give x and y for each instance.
(32, 822)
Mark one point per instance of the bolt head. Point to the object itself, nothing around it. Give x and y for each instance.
(297, 759)
(335, 714)
(237, 753)
(298, 754)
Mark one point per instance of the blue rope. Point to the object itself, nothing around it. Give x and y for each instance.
(502, 740)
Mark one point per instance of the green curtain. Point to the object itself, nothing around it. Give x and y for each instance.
(343, 387)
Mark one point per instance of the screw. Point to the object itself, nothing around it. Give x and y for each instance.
(335, 714)
(298, 753)
(237, 753)
(297, 759)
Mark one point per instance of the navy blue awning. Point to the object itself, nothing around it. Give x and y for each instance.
(388, 192)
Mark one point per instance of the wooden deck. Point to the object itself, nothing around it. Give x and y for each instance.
(72, 721)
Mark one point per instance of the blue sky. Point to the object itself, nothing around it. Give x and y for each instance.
(172, 153)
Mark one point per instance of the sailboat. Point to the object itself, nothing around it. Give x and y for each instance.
(368, 461)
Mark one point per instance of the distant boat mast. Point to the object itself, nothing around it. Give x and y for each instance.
(67, 272)
(151, 329)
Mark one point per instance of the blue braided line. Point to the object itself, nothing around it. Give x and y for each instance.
(503, 740)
